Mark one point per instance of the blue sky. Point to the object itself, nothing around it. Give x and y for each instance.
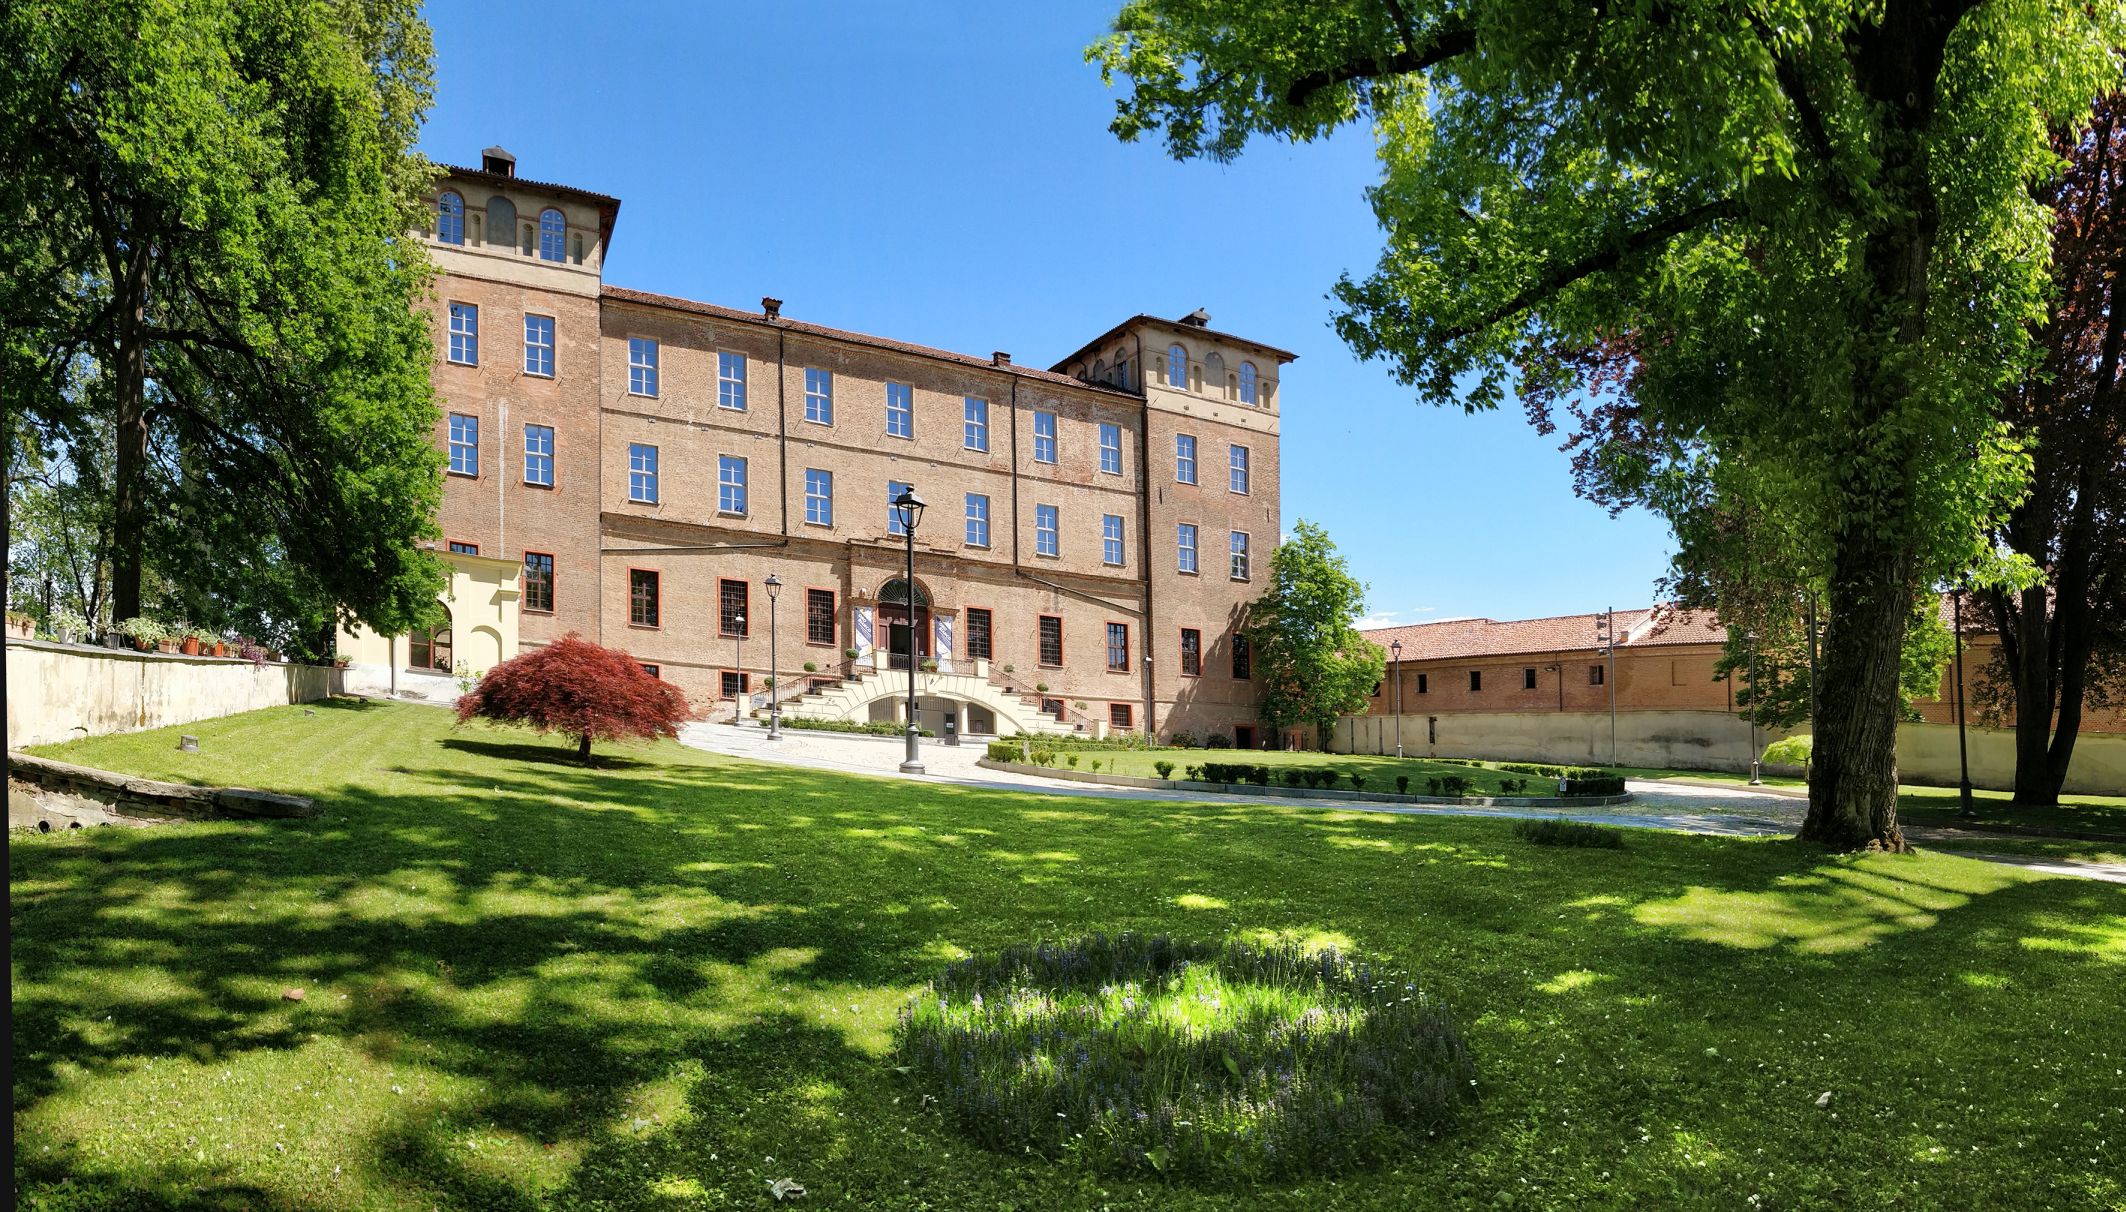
(942, 173)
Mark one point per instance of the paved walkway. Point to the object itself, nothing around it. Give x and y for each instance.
(1727, 811)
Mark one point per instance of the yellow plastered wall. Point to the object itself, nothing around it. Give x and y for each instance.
(482, 598)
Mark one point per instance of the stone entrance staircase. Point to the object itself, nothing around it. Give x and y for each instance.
(850, 699)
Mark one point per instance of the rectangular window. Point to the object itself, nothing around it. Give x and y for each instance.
(1111, 539)
(1184, 458)
(894, 489)
(538, 582)
(1044, 531)
(731, 381)
(819, 395)
(731, 614)
(1191, 651)
(1118, 647)
(465, 334)
(648, 668)
(977, 520)
(819, 616)
(1185, 546)
(1476, 679)
(1044, 437)
(539, 455)
(977, 433)
(457, 548)
(464, 445)
(642, 473)
(1052, 707)
(1243, 662)
(1528, 679)
(1119, 716)
(1423, 684)
(819, 497)
(979, 633)
(900, 410)
(641, 597)
(1237, 477)
(1240, 555)
(731, 683)
(539, 346)
(730, 484)
(1051, 640)
(641, 366)
(1110, 448)
(1595, 674)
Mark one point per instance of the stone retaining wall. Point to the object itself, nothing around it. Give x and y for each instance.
(129, 796)
(63, 692)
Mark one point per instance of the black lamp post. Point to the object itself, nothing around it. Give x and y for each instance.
(745, 697)
(909, 508)
(774, 584)
(1396, 646)
(1963, 756)
(1756, 776)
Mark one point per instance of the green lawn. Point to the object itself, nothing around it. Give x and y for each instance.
(1380, 772)
(663, 984)
(2075, 813)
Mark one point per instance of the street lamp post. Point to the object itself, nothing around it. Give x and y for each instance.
(774, 584)
(738, 710)
(1396, 646)
(1963, 756)
(909, 508)
(1756, 776)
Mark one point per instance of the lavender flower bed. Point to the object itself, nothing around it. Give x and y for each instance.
(1188, 1058)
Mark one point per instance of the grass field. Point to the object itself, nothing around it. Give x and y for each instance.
(666, 983)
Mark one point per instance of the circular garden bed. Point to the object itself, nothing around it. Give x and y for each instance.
(1138, 1053)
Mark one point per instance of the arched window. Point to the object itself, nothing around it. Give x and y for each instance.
(430, 649)
(1214, 373)
(501, 221)
(450, 218)
(553, 234)
(1247, 382)
(1177, 367)
(1099, 370)
(895, 592)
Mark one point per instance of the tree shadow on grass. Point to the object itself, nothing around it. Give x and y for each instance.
(545, 754)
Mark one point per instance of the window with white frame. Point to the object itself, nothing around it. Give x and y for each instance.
(977, 433)
(977, 520)
(642, 473)
(894, 489)
(465, 334)
(539, 346)
(553, 235)
(1247, 383)
(1044, 437)
(1237, 473)
(1185, 547)
(539, 455)
(1045, 541)
(730, 484)
(1177, 366)
(819, 497)
(819, 395)
(641, 366)
(731, 381)
(1110, 448)
(900, 410)
(1111, 539)
(450, 218)
(464, 444)
(1240, 555)
(1184, 458)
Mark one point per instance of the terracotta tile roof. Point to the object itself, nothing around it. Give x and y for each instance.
(1282, 355)
(647, 299)
(1460, 638)
(506, 180)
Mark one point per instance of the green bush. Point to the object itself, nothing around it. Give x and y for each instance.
(1557, 831)
(1165, 769)
(1260, 776)
(1291, 778)
(868, 727)
(1005, 751)
(1218, 740)
(1402, 784)
(1182, 740)
(1358, 781)
(1793, 751)
(1071, 758)
(1593, 782)
(1044, 757)
(1193, 773)
(1095, 764)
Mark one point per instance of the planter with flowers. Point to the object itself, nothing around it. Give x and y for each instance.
(20, 626)
(144, 633)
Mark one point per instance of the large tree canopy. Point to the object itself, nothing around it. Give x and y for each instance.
(1812, 222)
(1311, 661)
(205, 258)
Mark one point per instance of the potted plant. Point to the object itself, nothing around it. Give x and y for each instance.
(188, 638)
(220, 647)
(811, 666)
(930, 665)
(21, 626)
(144, 633)
(69, 629)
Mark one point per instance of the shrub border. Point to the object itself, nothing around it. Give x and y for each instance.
(1280, 792)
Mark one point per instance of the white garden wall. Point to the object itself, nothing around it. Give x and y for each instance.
(59, 692)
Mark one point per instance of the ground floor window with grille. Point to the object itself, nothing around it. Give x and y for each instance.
(1120, 716)
(734, 684)
(642, 597)
(1118, 647)
(819, 616)
(731, 608)
(1243, 663)
(978, 633)
(1051, 640)
(538, 582)
(1191, 651)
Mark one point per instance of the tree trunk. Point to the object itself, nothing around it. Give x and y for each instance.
(129, 525)
(1853, 769)
(583, 748)
(2033, 664)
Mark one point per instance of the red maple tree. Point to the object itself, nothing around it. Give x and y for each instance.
(579, 688)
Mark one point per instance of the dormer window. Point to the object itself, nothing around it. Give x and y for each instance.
(1177, 366)
(1247, 383)
(450, 218)
(553, 234)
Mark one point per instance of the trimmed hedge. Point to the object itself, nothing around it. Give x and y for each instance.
(868, 727)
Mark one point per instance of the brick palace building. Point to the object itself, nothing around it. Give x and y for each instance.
(632, 467)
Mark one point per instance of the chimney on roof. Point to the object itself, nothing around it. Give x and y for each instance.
(1000, 358)
(771, 308)
(1198, 318)
(498, 160)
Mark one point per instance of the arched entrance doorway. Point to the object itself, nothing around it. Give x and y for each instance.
(906, 623)
(430, 649)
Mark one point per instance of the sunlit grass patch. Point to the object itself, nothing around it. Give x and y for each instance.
(1186, 1058)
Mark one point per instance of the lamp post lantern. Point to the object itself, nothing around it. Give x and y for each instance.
(908, 508)
(1396, 646)
(774, 584)
(738, 708)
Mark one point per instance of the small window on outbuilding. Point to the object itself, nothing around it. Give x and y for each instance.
(1476, 679)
